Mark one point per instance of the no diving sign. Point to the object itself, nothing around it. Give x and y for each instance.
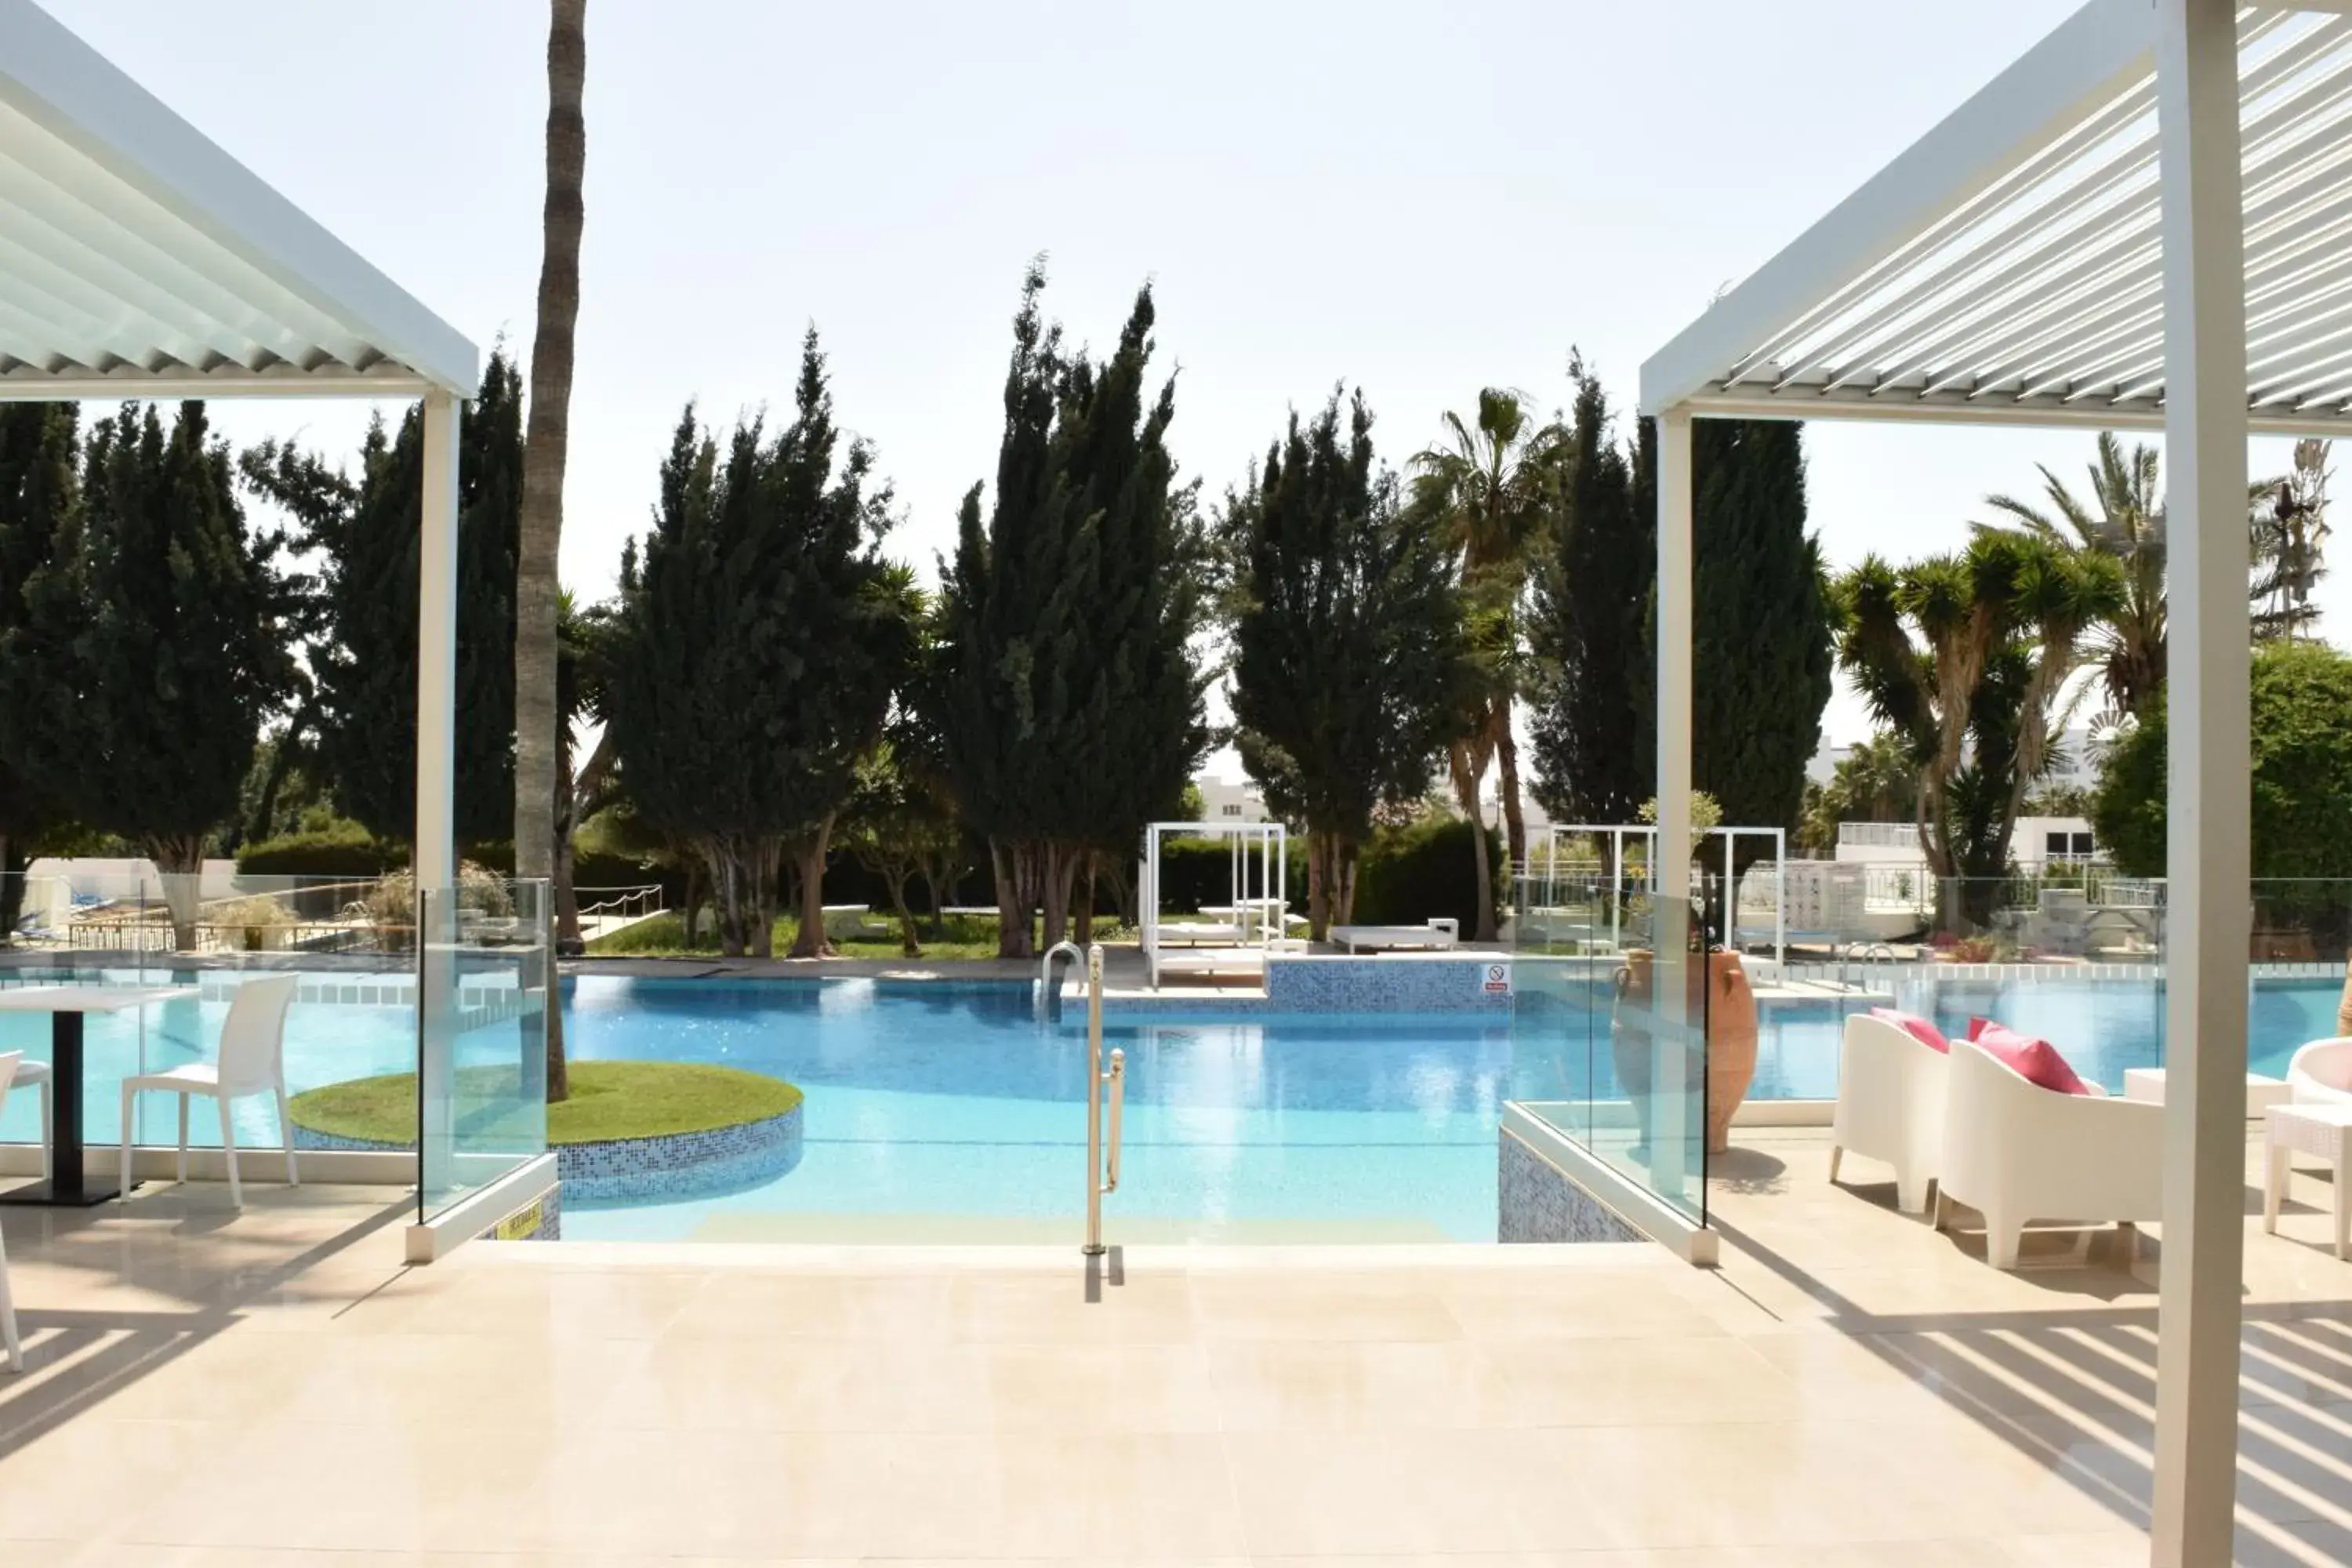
(1498, 980)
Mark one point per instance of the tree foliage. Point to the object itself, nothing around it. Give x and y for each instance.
(1595, 734)
(1964, 657)
(2302, 740)
(1064, 693)
(154, 643)
(1875, 781)
(1761, 639)
(1347, 670)
(759, 637)
(1493, 484)
(364, 536)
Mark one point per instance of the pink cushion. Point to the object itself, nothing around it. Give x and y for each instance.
(1911, 1024)
(2036, 1062)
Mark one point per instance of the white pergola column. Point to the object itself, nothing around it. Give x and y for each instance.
(436, 861)
(1670, 1119)
(2208, 795)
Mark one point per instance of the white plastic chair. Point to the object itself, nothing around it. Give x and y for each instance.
(252, 1061)
(11, 1065)
(2014, 1151)
(1890, 1105)
(2321, 1073)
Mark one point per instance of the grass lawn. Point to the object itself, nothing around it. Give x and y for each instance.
(664, 936)
(609, 1099)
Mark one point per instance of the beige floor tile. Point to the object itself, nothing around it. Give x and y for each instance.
(546, 1303)
(73, 1482)
(1088, 1496)
(332, 1486)
(1402, 1492)
(1571, 1305)
(739, 1304)
(1322, 1307)
(1059, 1308)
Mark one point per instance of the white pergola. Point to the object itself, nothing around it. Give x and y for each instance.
(137, 260)
(2145, 222)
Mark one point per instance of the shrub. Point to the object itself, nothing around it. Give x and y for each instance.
(343, 849)
(2301, 732)
(1421, 871)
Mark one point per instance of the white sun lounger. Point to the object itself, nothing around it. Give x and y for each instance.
(1441, 933)
(1201, 933)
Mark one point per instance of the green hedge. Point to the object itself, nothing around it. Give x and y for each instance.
(1428, 868)
(345, 850)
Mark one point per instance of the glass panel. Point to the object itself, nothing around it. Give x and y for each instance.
(1599, 1054)
(483, 965)
(117, 923)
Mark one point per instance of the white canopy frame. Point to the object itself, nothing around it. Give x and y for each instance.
(1617, 833)
(2142, 223)
(1260, 859)
(138, 259)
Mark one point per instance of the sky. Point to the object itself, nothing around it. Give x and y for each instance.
(1414, 199)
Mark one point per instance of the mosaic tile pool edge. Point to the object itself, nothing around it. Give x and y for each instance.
(674, 1167)
(1476, 983)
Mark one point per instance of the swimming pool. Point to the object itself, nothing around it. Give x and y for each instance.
(946, 1112)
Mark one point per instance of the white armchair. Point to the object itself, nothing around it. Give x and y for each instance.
(1890, 1105)
(2015, 1151)
(2321, 1073)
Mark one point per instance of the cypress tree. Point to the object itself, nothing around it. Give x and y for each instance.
(175, 616)
(757, 641)
(1347, 672)
(1066, 694)
(1593, 728)
(365, 663)
(39, 443)
(1761, 639)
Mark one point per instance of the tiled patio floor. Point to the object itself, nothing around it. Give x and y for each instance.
(277, 1390)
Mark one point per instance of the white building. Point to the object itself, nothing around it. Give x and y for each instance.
(1234, 799)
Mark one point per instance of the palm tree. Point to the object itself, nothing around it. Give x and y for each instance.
(2286, 520)
(2290, 534)
(546, 438)
(2124, 523)
(1963, 657)
(1495, 482)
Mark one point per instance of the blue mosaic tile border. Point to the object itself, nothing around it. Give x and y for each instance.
(1535, 1201)
(1471, 982)
(680, 1166)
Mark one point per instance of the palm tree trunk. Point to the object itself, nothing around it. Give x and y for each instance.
(545, 442)
(1506, 755)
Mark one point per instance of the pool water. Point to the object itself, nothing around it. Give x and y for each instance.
(942, 1112)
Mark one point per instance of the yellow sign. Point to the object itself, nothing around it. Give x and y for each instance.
(524, 1223)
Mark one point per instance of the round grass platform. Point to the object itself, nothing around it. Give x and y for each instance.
(609, 1100)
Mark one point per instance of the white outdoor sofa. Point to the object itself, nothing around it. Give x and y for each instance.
(2015, 1151)
(1890, 1105)
(1441, 933)
(2321, 1073)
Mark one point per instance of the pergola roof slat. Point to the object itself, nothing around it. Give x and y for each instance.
(2009, 264)
(138, 258)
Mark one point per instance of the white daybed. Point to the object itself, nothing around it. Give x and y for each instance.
(1443, 932)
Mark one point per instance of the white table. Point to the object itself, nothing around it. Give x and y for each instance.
(2262, 1091)
(66, 1005)
(2321, 1131)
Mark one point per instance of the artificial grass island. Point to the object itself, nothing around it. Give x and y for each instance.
(609, 1102)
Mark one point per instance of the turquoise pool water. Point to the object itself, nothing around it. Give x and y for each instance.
(938, 1112)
